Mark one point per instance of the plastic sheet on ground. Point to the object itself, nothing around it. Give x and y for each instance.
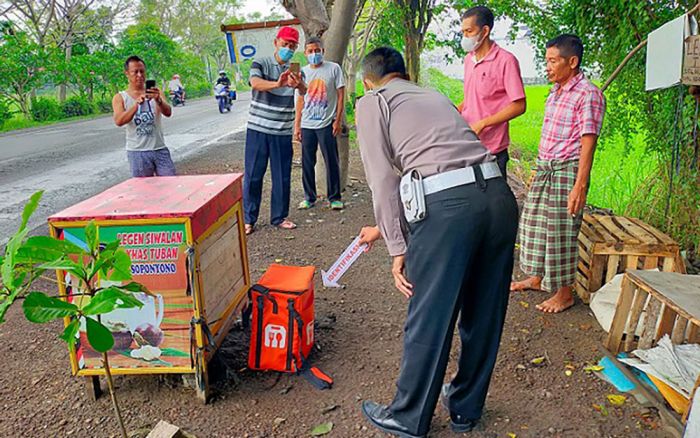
(676, 365)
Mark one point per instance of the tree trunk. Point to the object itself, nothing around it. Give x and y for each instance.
(311, 13)
(336, 44)
(62, 87)
(413, 50)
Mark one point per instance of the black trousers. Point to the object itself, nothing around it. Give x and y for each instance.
(502, 159)
(459, 260)
(310, 140)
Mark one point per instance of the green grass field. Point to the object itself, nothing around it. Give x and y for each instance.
(616, 173)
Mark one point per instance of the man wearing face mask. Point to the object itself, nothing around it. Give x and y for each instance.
(493, 88)
(269, 134)
(319, 118)
(458, 257)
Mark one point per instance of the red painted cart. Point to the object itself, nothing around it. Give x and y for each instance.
(186, 239)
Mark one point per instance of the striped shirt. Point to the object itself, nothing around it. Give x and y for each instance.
(571, 111)
(271, 112)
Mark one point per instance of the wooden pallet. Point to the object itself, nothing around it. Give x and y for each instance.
(609, 245)
(672, 305)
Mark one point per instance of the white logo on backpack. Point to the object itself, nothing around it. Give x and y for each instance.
(275, 336)
(310, 333)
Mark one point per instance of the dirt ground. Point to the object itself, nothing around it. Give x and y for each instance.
(358, 337)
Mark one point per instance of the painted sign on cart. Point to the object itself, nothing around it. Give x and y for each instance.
(157, 334)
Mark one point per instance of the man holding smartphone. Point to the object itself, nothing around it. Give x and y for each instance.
(140, 108)
(269, 134)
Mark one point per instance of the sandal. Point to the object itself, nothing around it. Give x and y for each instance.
(286, 225)
(249, 228)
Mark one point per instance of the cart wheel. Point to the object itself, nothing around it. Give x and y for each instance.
(92, 387)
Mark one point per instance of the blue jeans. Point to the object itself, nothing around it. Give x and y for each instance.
(259, 148)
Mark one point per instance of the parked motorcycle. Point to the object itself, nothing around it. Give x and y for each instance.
(223, 97)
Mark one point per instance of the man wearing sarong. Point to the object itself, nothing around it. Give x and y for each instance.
(552, 214)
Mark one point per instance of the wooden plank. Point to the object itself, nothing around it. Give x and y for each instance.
(601, 230)
(638, 249)
(583, 254)
(617, 327)
(221, 271)
(640, 233)
(694, 334)
(679, 264)
(632, 261)
(650, 319)
(668, 265)
(678, 334)
(591, 232)
(620, 234)
(595, 280)
(651, 262)
(663, 238)
(613, 265)
(216, 235)
(640, 299)
(585, 236)
(679, 291)
(666, 322)
(92, 387)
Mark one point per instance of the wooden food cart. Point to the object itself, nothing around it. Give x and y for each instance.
(185, 236)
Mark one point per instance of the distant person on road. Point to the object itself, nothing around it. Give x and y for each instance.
(269, 134)
(319, 119)
(223, 79)
(140, 110)
(175, 85)
(552, 213)
(493, 88)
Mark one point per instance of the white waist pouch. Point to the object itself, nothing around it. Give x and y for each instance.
(413, 197)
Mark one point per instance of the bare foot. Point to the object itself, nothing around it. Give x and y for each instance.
(534, 283)
(561, 301)
(249, 228)
(286, 225)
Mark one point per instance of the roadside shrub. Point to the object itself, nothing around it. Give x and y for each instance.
(198, 90)
(103, 106)
(5, 113)
(77, 106)
(45, 108)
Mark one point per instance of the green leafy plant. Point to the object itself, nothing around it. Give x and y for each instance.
(5, 112)
(77, 106)
(46, 108)
(26, 258)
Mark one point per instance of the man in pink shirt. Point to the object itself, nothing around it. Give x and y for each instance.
(493, 88)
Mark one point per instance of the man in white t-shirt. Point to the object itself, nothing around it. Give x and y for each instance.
(319, 118)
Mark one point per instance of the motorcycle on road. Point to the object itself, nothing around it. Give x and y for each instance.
(224, 97)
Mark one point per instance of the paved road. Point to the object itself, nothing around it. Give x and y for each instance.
(73, 161)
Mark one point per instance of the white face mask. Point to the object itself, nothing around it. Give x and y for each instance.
(469, 44)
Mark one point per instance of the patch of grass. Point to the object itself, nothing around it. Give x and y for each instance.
(617, 171)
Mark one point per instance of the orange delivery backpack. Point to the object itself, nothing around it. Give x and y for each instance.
(282, 326)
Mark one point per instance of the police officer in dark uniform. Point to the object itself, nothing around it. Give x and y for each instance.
(457, 259)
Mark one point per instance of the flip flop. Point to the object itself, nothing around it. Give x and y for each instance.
(249, 229)
(286, 225)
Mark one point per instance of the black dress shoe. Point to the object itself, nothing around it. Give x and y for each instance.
(457, 424)
(461, 425)
(382, 419)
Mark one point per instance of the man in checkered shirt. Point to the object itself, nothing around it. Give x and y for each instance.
(552, 214)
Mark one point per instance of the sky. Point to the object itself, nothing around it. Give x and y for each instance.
(521, 48)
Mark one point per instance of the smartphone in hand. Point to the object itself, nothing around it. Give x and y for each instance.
(294, 67)
(150, 83)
